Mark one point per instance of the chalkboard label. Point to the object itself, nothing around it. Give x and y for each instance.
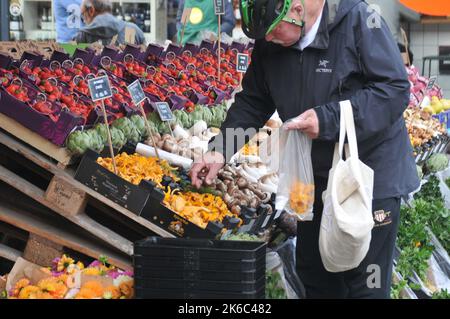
(136, 92)
(219, 7)
(164, 111)
(431, 83)
(242, 62)
(100, 88)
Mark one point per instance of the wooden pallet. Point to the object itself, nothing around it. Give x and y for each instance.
(47, 241)
(59, 154)
(68, 197)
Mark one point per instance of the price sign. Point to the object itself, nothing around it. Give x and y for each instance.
(99, 88)
(164, 111)
(219, 7)
(431, 83)
(136, 92)
(242, 62)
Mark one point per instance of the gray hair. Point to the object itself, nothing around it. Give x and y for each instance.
(100, 6)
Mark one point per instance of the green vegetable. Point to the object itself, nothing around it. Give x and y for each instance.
(443, 294)
(128, 128)
(78, 142)
(101, 130)
(437, 162)
(242, 237)
(118, 138)
(96, 141)
(273, 288)
(182, 118)
(139, 123)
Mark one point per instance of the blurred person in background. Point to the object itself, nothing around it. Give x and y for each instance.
(203, 18)
(102, 25)
(67, 18)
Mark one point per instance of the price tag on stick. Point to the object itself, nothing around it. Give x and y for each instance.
(100, 89)
(219, 10)
(138, 97)
(431, 83)
(219, 7)
(241, 65)
(165, 113)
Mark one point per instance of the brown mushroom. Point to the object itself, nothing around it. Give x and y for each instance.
(242, 182)
(236, 209)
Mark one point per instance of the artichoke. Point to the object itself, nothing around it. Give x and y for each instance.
(96, 141)
(139, 123)
(128, 129)
(101, 130)
(118, 138)
(78, 142)
(182, 118)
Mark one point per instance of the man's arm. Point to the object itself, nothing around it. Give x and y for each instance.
(228, 19)
(252, 108)
(386, 95)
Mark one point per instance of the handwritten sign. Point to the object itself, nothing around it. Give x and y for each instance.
(431, 83)
(164, 111)
(219, 7)
(136, 92)
(99, 88)
(241, 62)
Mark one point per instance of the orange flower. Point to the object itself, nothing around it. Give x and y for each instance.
(43, 295)
(90, 290)
(54, 286)
(28, 292)
(19, 286)
(127, 289)
(112, 292)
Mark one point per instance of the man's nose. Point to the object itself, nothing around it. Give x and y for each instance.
(269, 37)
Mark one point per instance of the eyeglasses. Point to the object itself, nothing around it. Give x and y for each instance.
(293, 21)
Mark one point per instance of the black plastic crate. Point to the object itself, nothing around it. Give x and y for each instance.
(182, 274)
(201, 265)
(200, 285)
(144, 293)
(219, 250)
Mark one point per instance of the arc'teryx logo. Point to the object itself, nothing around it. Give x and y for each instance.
(323, 63)
(323, 67)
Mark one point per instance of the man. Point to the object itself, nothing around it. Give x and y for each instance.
(68, 19)
(102, 25)
(203, 18)
(308, 56)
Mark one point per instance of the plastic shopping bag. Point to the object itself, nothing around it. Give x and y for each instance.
(296, 187)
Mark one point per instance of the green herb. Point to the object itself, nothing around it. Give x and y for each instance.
(443, 294)
(273, 288)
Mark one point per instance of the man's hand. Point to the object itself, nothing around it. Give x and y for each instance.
(307, 122)
(206, 170)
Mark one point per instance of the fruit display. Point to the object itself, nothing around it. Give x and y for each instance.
(437, 105)
(67, 279)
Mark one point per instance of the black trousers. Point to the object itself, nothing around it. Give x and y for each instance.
(372, 278)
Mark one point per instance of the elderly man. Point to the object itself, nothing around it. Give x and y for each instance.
(102, 25)
(308, 56)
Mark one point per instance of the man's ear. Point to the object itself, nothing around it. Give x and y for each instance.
(298, 8)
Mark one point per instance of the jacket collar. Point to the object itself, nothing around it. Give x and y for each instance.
(333, 13)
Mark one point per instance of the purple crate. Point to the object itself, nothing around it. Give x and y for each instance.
(191, 48)
(134, 50)
(239, 46)
(173, 48)
(31, 56)
(209, 45)
(5, 61)
(56, 132)
(84, 55)
(59, 56)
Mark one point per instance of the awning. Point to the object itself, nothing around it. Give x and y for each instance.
(429, 7)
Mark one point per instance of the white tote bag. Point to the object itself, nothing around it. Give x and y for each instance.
(347, 221)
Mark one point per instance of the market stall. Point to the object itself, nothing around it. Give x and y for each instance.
(84, 178)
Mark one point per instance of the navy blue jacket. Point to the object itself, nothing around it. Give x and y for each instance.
(353, 56)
